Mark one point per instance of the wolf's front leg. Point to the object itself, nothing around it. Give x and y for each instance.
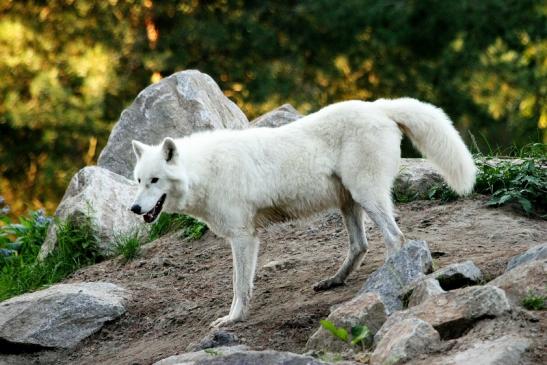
(244, 252)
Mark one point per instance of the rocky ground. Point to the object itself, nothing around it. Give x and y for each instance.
(179, 287)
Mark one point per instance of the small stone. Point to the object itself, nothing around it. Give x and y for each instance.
(458, 275)
(538, 252)
(406, 340)
(216, 338)
(365, 309)
(424, 290)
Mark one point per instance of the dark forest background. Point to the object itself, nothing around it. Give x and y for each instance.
(68, 68)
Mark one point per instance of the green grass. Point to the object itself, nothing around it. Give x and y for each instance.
(128, 246)
(22, 272)
(166, 223)
(534, 302)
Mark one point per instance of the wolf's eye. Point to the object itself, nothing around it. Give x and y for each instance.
(154, 180)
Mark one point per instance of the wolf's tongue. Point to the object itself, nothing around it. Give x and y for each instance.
(148, 217)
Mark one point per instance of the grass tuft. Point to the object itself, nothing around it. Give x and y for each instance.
(534, 302)
(129, 245)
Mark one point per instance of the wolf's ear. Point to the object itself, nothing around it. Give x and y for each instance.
(138, 148)
(169, 150)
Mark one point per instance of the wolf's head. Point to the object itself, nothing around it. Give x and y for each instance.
(159, 175)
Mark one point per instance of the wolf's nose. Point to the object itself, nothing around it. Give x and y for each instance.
(136, 209)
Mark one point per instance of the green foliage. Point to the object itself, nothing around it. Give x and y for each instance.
(128, 245)
(360, 334)
(190, 227)
(23, 238)
(441, 191)
(76, 247)
(509, 182)
(338, 332)
(534, 302)
(520, 181)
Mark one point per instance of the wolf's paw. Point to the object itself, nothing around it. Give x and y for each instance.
(328, 284)
(220, 322)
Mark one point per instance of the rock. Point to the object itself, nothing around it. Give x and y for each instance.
(183, 103)
(424, 290)
(507, 350)
(61, 315)
(282, 115)
(403, 268)
(530, 278)
(280, 265)
(404, 341)
(538, 252)
(104, 196)
(453, 276)
(216, 338)
(416, 177)
(458, 275)
(192, 357)
(239, 356)
(454, 312)
(365, 309)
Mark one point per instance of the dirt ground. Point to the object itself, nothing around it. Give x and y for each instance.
(180, 287)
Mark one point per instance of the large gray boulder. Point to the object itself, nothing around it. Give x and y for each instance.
(408, 265)
(538, 252)
(454, 312)
(183, 103)
(524, 280)
(365, 309)
(61, 315)
(282, 115)
(405, 341)
(239, 355)
(103, 196)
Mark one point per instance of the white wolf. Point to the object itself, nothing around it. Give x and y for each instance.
(344, 156)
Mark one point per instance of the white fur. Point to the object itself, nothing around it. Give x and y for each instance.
(344, 156)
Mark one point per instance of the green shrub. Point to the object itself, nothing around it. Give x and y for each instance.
(509, 182)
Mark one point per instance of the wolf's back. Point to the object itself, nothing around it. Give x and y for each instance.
(433, 134)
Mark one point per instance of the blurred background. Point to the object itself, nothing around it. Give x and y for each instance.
(68, 68)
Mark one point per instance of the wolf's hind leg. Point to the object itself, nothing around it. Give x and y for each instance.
(380, 210)
(353, 219)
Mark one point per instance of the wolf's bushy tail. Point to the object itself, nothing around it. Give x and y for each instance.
(433, 134)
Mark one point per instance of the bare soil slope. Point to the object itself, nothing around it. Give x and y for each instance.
(180, 287)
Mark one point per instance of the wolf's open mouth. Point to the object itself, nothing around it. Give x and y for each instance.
(153, 214)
